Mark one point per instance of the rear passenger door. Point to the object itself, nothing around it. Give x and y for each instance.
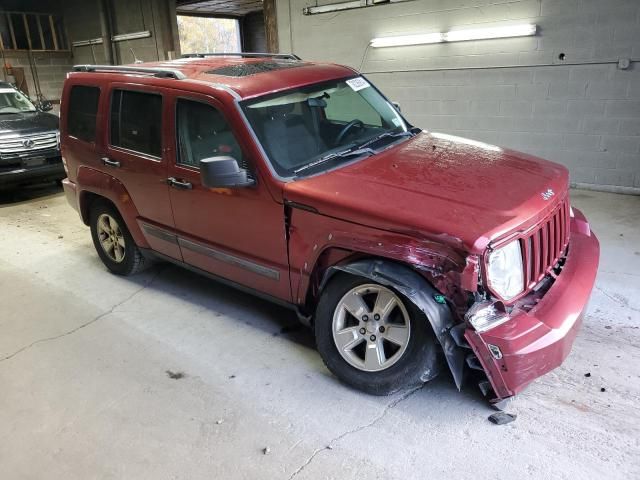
(136, 154)
(79, 122)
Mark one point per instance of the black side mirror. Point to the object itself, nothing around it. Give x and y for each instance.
(317, 102)
(223, 171)
(45, 105)
(397, 105)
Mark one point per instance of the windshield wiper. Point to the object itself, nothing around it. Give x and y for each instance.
(350, 152)
(357, 150)
(408, 133)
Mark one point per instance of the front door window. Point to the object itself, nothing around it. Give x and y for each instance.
(203, 133)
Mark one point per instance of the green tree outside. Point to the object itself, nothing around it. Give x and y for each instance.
(208, 34)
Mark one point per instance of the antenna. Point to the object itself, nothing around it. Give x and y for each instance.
(135, 59)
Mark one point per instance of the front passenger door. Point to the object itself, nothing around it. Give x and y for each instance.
(235, 233)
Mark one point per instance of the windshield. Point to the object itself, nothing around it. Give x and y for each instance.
(310, 129)
(14, 101)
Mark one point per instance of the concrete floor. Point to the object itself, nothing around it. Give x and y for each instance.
(84, 389)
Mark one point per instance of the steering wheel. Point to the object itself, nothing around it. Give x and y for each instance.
(347, 127)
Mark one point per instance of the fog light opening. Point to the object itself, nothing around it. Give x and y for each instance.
(484, 316)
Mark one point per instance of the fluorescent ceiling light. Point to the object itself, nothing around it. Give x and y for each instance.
(84, 43)
(348, 5)
(407, 40)
(492, 32)
(130, 36)
(456, 35)
(334, 7)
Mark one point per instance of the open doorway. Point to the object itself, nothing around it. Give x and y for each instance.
(227, 26)
(209, 34)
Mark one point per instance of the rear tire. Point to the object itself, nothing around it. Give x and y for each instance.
(112, 240)
(401, 340)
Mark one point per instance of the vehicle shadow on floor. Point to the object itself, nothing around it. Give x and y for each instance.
(217, 297)
(276, 321)
(26, 194)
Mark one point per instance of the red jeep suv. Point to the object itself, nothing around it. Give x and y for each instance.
(302, 183)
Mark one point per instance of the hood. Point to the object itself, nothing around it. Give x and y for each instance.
(461, 192)
(27, 122)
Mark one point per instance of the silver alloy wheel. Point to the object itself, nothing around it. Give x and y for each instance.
(371, 327)
(111, 237)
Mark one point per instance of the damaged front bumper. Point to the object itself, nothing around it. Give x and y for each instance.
(535, 341)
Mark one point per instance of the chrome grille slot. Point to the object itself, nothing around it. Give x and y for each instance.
(543, 246)
(20, 144)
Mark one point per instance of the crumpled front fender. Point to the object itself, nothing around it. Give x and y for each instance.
(415, 288)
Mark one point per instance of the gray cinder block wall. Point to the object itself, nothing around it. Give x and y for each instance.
(559, 95)
(52, 68)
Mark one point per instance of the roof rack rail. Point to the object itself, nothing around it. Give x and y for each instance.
(284, 56)
(154, 71)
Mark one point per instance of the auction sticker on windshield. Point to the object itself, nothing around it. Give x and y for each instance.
(358, 83)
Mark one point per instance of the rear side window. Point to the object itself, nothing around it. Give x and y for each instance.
(136, 121)
(82, 112)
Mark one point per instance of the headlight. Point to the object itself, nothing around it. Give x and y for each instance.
(504, 270)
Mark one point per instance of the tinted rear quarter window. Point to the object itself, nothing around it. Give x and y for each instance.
(136, 121)
(82, 112)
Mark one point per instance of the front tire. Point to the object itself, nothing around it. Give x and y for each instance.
(112, 240)
(373, 338)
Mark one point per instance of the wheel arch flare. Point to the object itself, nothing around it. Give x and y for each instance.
(418, 291)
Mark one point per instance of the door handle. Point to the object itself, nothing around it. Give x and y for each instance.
(173, 182)
(110, 163)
